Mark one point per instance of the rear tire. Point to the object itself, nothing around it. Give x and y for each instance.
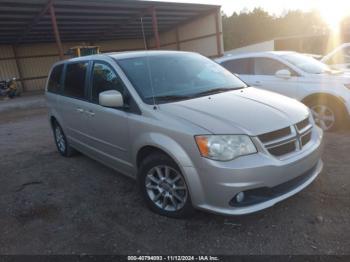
(163, 187)
(61, 141)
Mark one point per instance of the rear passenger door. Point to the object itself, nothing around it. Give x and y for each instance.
(73, 101)
(108, 127)
(265, 77)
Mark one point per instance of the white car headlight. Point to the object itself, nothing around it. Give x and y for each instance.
(225, 147)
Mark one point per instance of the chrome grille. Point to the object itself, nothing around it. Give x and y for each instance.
(287, 140)
(275, 135)
(303, 124)
(283, 149)
(306, 139)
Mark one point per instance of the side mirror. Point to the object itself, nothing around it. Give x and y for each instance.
(283, 73)
(111, 98)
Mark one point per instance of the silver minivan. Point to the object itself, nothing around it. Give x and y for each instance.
(192, 134)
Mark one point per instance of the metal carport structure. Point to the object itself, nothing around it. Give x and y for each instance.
(34, 34)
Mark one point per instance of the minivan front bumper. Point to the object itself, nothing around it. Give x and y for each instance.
(263, 178)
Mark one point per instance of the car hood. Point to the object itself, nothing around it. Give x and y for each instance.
(246, 111)
(342, 78)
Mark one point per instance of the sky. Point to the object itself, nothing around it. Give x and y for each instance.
(276, 7)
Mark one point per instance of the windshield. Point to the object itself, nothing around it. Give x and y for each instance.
(177, 76)
(307, 64)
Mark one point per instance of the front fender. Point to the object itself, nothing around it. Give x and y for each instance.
(164, 143)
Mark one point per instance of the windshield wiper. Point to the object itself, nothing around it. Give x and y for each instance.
(169, 98)
(216, 91)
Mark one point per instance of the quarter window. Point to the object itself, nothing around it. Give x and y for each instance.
(104, 79)
(74, 85)
(54, 84)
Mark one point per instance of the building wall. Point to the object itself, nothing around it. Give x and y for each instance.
(8, 67)
(32, 62)
(35, 60)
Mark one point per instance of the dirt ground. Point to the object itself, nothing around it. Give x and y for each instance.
(54, 205)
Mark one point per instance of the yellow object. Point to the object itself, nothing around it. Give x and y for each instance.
(77, 51)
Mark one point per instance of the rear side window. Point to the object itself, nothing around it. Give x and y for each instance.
(239, 66)
(74, 85)
(104, 78)
(54, 84)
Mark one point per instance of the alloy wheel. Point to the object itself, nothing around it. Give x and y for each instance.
(166, 188)
(60, 140)
(324, 116)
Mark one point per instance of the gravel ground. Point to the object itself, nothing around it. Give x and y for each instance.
(54, 205)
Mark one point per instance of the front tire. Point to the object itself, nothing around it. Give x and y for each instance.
(327, 115)
(164, 187)
(61, 141)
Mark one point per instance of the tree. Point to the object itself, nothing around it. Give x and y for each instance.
(258, 25)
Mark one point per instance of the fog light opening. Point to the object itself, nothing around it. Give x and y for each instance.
(240, 197)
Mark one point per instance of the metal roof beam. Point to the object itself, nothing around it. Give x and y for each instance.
(116, 27)
(34, 21)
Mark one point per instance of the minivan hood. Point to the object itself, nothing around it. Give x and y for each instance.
(245, 111)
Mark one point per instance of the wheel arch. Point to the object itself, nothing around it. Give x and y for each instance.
(325, 97)
(156, 142)
(147, 150)
(53, 120)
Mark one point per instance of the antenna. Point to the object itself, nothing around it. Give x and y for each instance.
(148, 66)
(143, 34)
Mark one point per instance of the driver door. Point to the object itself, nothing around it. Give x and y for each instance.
(265, 77)
(108, 128)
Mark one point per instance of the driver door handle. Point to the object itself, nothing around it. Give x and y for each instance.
(257, 83)
(80, 110)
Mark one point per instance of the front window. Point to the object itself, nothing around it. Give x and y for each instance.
(164, 78)
(306, 63)
(269, 67)
(104, 79)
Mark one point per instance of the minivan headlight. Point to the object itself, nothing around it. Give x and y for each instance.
(224, 147)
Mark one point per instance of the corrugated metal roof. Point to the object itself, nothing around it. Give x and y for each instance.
(90, 20)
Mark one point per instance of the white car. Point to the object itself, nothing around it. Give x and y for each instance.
(325, 91)
(339, 58)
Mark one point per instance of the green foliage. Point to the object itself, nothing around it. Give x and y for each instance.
(258, 25)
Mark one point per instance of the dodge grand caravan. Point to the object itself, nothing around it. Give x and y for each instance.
(193, 135)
